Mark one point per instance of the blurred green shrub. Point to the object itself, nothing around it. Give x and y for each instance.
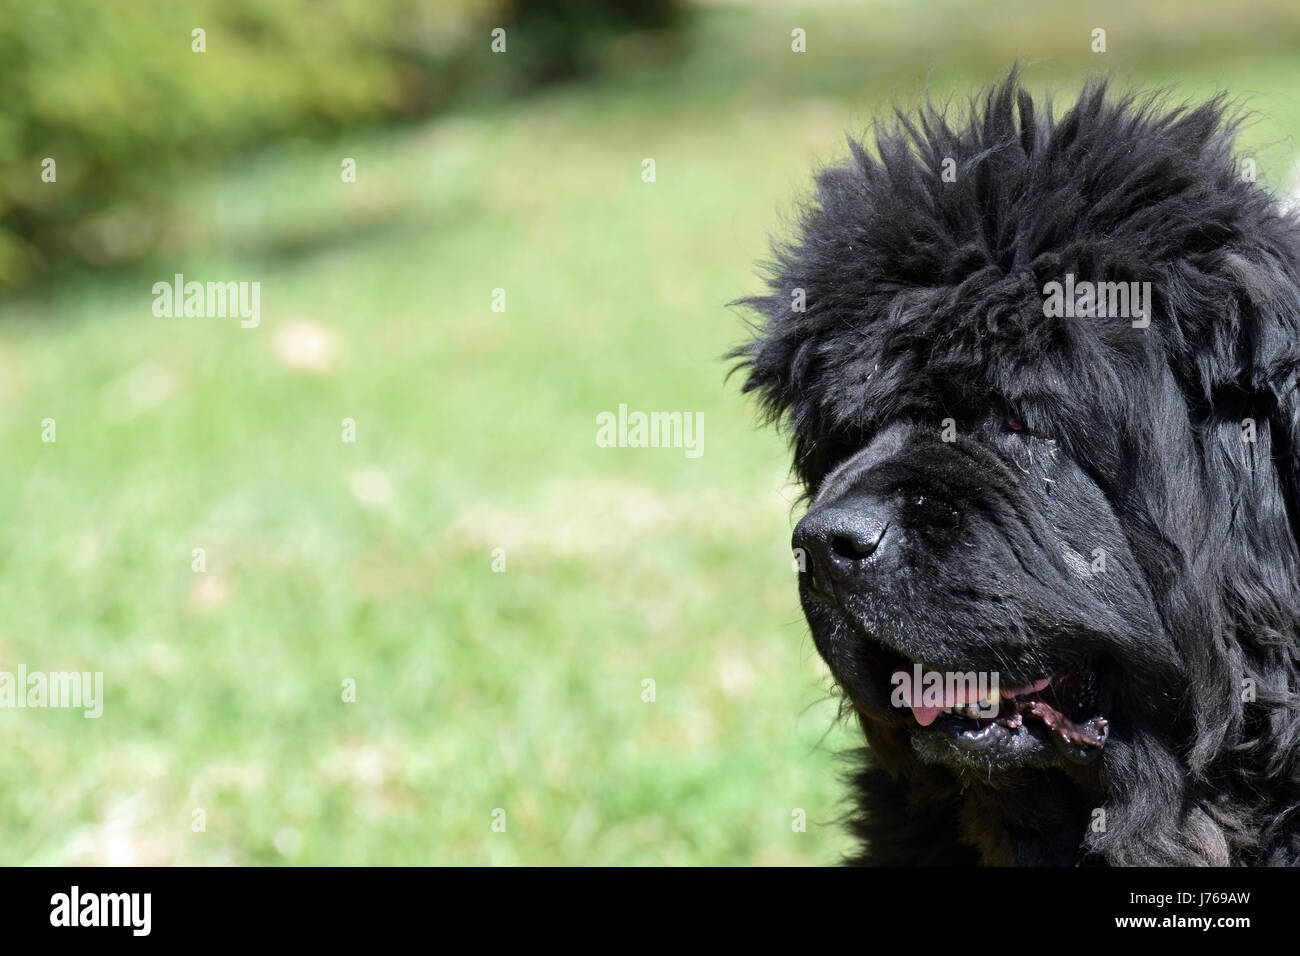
(561, 39)
(115, 94)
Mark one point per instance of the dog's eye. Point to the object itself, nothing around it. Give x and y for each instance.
(1014, 424)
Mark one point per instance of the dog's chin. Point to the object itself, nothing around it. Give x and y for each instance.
(993, 748)
(1058, 719)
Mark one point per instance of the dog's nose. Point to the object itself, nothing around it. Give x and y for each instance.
(838, 541)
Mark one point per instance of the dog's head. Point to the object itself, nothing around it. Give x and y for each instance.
(1041, 379)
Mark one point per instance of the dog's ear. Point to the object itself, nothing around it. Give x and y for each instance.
(802, 318)
(1268, 284)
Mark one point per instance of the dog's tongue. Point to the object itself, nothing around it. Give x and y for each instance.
(957, 697)
(925, 716)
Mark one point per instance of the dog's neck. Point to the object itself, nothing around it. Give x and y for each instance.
(1034, 818)
(1041, 822)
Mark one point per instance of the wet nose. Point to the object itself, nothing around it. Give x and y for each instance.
(838, 541)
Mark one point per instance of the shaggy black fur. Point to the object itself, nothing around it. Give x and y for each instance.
(977, 549)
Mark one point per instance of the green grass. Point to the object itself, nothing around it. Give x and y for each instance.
(371, 561)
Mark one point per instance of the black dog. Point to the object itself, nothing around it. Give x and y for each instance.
(1041, 379)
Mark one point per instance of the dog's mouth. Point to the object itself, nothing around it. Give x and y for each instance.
(1058, 704)
(994, 718)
